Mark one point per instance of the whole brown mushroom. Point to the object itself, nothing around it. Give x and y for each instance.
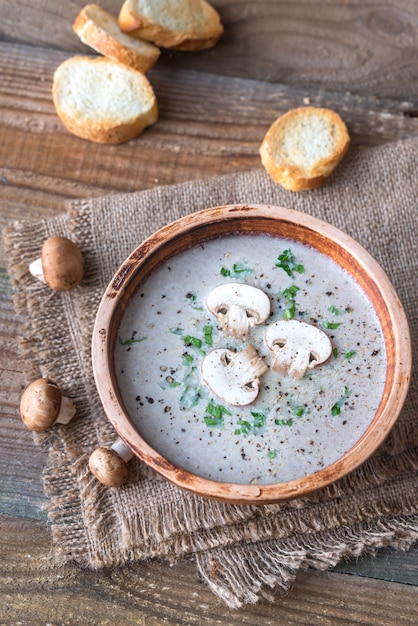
(60, 265)
(42, 405)
(109, 465)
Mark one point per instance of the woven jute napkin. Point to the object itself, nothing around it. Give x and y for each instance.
(242, 552)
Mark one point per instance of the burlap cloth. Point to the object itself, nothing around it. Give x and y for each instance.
(242, 552)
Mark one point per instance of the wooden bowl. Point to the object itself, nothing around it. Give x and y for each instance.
(277, 222)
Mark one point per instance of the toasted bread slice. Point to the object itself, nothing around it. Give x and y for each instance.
(103, 100)
(100, 30)
(303, 147)
(177, 24)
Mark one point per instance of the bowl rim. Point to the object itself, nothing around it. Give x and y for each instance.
(394, 395)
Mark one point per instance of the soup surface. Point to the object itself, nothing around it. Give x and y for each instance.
(294, 427)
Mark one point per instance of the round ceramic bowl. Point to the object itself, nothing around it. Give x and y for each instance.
(303, 431)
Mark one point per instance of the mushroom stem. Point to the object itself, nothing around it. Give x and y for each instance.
(235, 322)
(66, 412)
(246, 366)
(122, 450)
(35, 269)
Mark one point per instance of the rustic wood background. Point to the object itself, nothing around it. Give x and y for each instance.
(215, 106)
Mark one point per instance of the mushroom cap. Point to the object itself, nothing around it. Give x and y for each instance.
(40, 405)
(108, 467)
(238, 306)
(234, 376)
(62, 263)
(297, 346)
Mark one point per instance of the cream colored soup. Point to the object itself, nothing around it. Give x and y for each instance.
(294, 427)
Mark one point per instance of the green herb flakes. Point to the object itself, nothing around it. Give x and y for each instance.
(336, 408)
(192, 341)
(208, 330)
(238, 269)
(259, 419)
(289, 294)
(189, 398)
(350, 354)
(283, 422)
(214, 414)
(286, 261)
(130, 342)
(193, 299)
(272, 454)
(331, 325)
(333, 309)
(289, 312)
(244, 428)
(298, 411)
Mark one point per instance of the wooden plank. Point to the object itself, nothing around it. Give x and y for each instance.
(34, 592)
(21, 463)
(363, 48)
(391, 565)
(349, 46)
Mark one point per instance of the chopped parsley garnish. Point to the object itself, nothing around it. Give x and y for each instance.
(259, 419)
(286, 261)
(214, 414)
(283, 422)
(238, 269)
(244, 428)
(350, 354)
(192, 391)
(190, 397)
(208, 330)
(298, 411)
(290, 311)
(336, 408)
(335, 352)
(290, 293)
(193, 341)
(187, 359)
(130, 342)
(196, 342)
(192, 297)
(331, 325)
(272, 453)
(337, 311)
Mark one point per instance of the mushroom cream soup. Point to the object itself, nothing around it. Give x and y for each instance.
(297, 404)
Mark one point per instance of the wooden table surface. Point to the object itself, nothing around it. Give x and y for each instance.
(215, 107)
